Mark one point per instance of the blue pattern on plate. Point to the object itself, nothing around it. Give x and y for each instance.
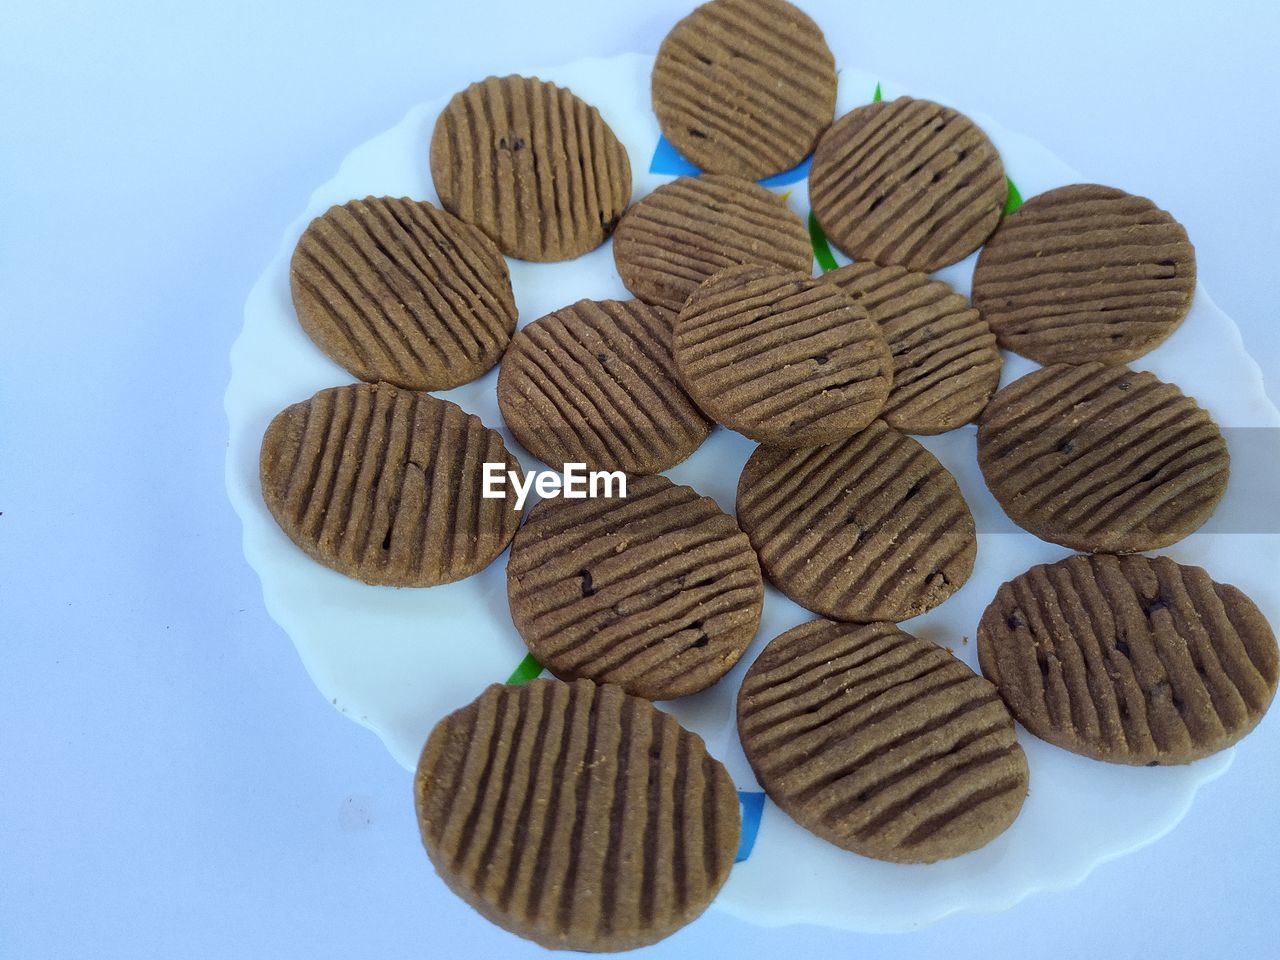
(752, 803)
(667, 159)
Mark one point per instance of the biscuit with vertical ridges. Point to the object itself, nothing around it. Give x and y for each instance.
(532, 165)
(593, 383)
(781, 357)
(694, 227)
(1102, 459)
(946, 364)
(658, 592)
(880, 742)
(400, 291)
(744, 87)
(575, 815)
(1085, 273)
(385, 485)
(870, 528)
(907, 182)
(1134, 659)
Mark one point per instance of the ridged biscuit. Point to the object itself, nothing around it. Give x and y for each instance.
(659, 592)
(576, 816)
(594, 383)
(385, 485)
(1101, 458)
(1085, 273)
(881, 743)
(1135, 659)
(744, 86)
(870, 528)
(946, 364)
(400, 291)
(907, 182)
(781, 357)
(532, 165)
(689, 229)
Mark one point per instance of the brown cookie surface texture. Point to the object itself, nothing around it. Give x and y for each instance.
(594, 383)
(1101, 458)
(400, 291)
(1085, 273)
(781, 357)
(385, 485)
(946, 364)
(870, 528)
(1133, 659)
(907, 182)
(575, 815)
(744, 87)
(532, 165)
(880, 742)
(658, 592)
(689, 229)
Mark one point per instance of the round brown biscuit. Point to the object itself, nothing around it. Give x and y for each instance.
(1133, 659)
(870, 528)
(1085, 273)
(576, 816)
(1101, 458)
(385, 485)
(659, 592)
(946, 364)
(881, 743)
(593, 383)
(781, 357)
(532, 165)
(744, 87)
(694, 227)
(907, 182)
(400, 291)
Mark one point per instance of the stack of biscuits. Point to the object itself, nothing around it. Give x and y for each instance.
(571, 810)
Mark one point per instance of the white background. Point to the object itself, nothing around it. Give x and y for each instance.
(171, 785)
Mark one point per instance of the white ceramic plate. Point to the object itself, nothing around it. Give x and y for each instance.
(397, 660)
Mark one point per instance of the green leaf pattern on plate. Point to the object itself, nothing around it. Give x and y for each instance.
(526, 670)
(821, 249)
(1015, 198)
